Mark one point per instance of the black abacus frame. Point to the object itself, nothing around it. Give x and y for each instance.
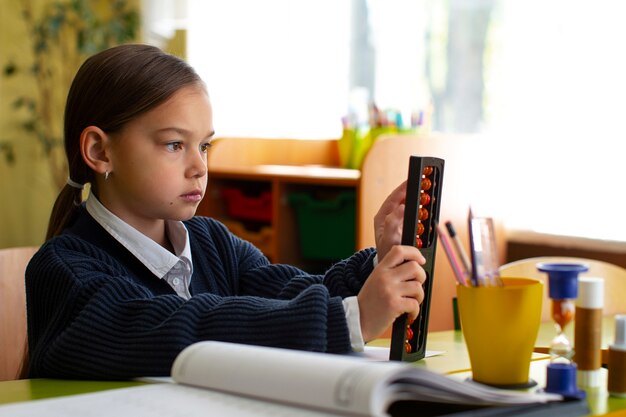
(429, 244)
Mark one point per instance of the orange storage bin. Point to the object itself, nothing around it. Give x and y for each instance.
(262, 239)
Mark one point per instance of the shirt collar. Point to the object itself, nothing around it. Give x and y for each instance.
(154, 256)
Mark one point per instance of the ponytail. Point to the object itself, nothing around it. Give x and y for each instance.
(64, 211)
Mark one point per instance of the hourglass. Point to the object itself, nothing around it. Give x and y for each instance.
(563, 291)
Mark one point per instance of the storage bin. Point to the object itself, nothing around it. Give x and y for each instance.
(263, 238)
(246, 207)
(326, 227)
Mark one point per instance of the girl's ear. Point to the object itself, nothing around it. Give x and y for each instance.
(94, 147)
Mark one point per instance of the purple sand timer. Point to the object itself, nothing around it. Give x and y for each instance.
(562, 290)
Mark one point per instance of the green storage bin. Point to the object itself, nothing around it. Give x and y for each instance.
(327, 227)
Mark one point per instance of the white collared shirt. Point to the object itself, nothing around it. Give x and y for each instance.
(175, 269)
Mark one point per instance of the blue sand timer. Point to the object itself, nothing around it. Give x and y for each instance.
(562, 290)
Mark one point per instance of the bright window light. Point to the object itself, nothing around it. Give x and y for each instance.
(555, 92)
(545, 77)
(274, 68)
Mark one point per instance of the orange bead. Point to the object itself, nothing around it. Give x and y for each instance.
(424, 199)
(407, 347)
(420, 229)
(428, 170)
(422, 214)
(409, 333)
(426, 184)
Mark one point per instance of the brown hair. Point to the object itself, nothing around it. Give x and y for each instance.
(110, 89)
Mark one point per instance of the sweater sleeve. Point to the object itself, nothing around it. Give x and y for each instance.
(254, 275)
(244, 264)
(88, 319)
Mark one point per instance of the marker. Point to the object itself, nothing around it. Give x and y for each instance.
(467, 268)
(460, 277)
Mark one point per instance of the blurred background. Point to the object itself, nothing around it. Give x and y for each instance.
(535, 75)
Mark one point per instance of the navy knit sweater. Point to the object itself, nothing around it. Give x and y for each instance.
(95, 311)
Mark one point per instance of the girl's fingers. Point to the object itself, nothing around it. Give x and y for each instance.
(397, 196)
(400, 254)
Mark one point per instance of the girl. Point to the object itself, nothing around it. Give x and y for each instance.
(130, 277)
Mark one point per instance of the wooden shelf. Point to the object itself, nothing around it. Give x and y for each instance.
(281, 167)
(313, 174)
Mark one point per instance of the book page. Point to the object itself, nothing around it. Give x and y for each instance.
(333, 382)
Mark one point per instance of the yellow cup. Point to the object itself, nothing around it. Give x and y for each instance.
(500, 326)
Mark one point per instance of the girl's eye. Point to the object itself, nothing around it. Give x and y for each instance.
(174, 146)
(204, 148)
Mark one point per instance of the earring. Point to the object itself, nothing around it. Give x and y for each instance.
(106, 175)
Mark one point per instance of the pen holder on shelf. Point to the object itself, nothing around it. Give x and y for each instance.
(355, 143)
(500, 326)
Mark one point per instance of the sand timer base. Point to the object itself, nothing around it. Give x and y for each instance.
(561, 379)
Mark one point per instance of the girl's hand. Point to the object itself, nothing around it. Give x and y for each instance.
(393, 288)
(388, 221)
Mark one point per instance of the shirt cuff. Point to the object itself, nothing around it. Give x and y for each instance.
(351, 308)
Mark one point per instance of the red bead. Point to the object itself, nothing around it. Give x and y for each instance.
(418, 243)
(409, 333)
(424, 199)
(407, 347)
(426, 184)
(428, 170)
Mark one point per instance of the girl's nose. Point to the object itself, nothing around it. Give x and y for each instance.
(197, 164)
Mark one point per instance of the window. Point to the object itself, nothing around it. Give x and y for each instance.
(536, 74)
(274, 68)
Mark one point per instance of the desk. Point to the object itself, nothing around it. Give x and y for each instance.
(37, 389)
(454, 361)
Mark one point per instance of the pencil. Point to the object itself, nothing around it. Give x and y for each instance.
(450, 254)
(467, 268)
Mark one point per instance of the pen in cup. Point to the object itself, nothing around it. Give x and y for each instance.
(465, 262)
(458, 273)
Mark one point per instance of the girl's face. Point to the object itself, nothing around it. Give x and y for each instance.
(159, 162)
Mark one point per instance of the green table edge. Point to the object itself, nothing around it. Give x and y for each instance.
(37, 389)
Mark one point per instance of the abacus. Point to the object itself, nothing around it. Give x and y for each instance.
(421, 214)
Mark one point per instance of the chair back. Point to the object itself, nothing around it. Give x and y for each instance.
(614, 279)
(386, 165)
(13, 335)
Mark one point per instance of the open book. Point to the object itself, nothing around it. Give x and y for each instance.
(337, 384)
(223, 379)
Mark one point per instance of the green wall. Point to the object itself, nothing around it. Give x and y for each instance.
(27, 186)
